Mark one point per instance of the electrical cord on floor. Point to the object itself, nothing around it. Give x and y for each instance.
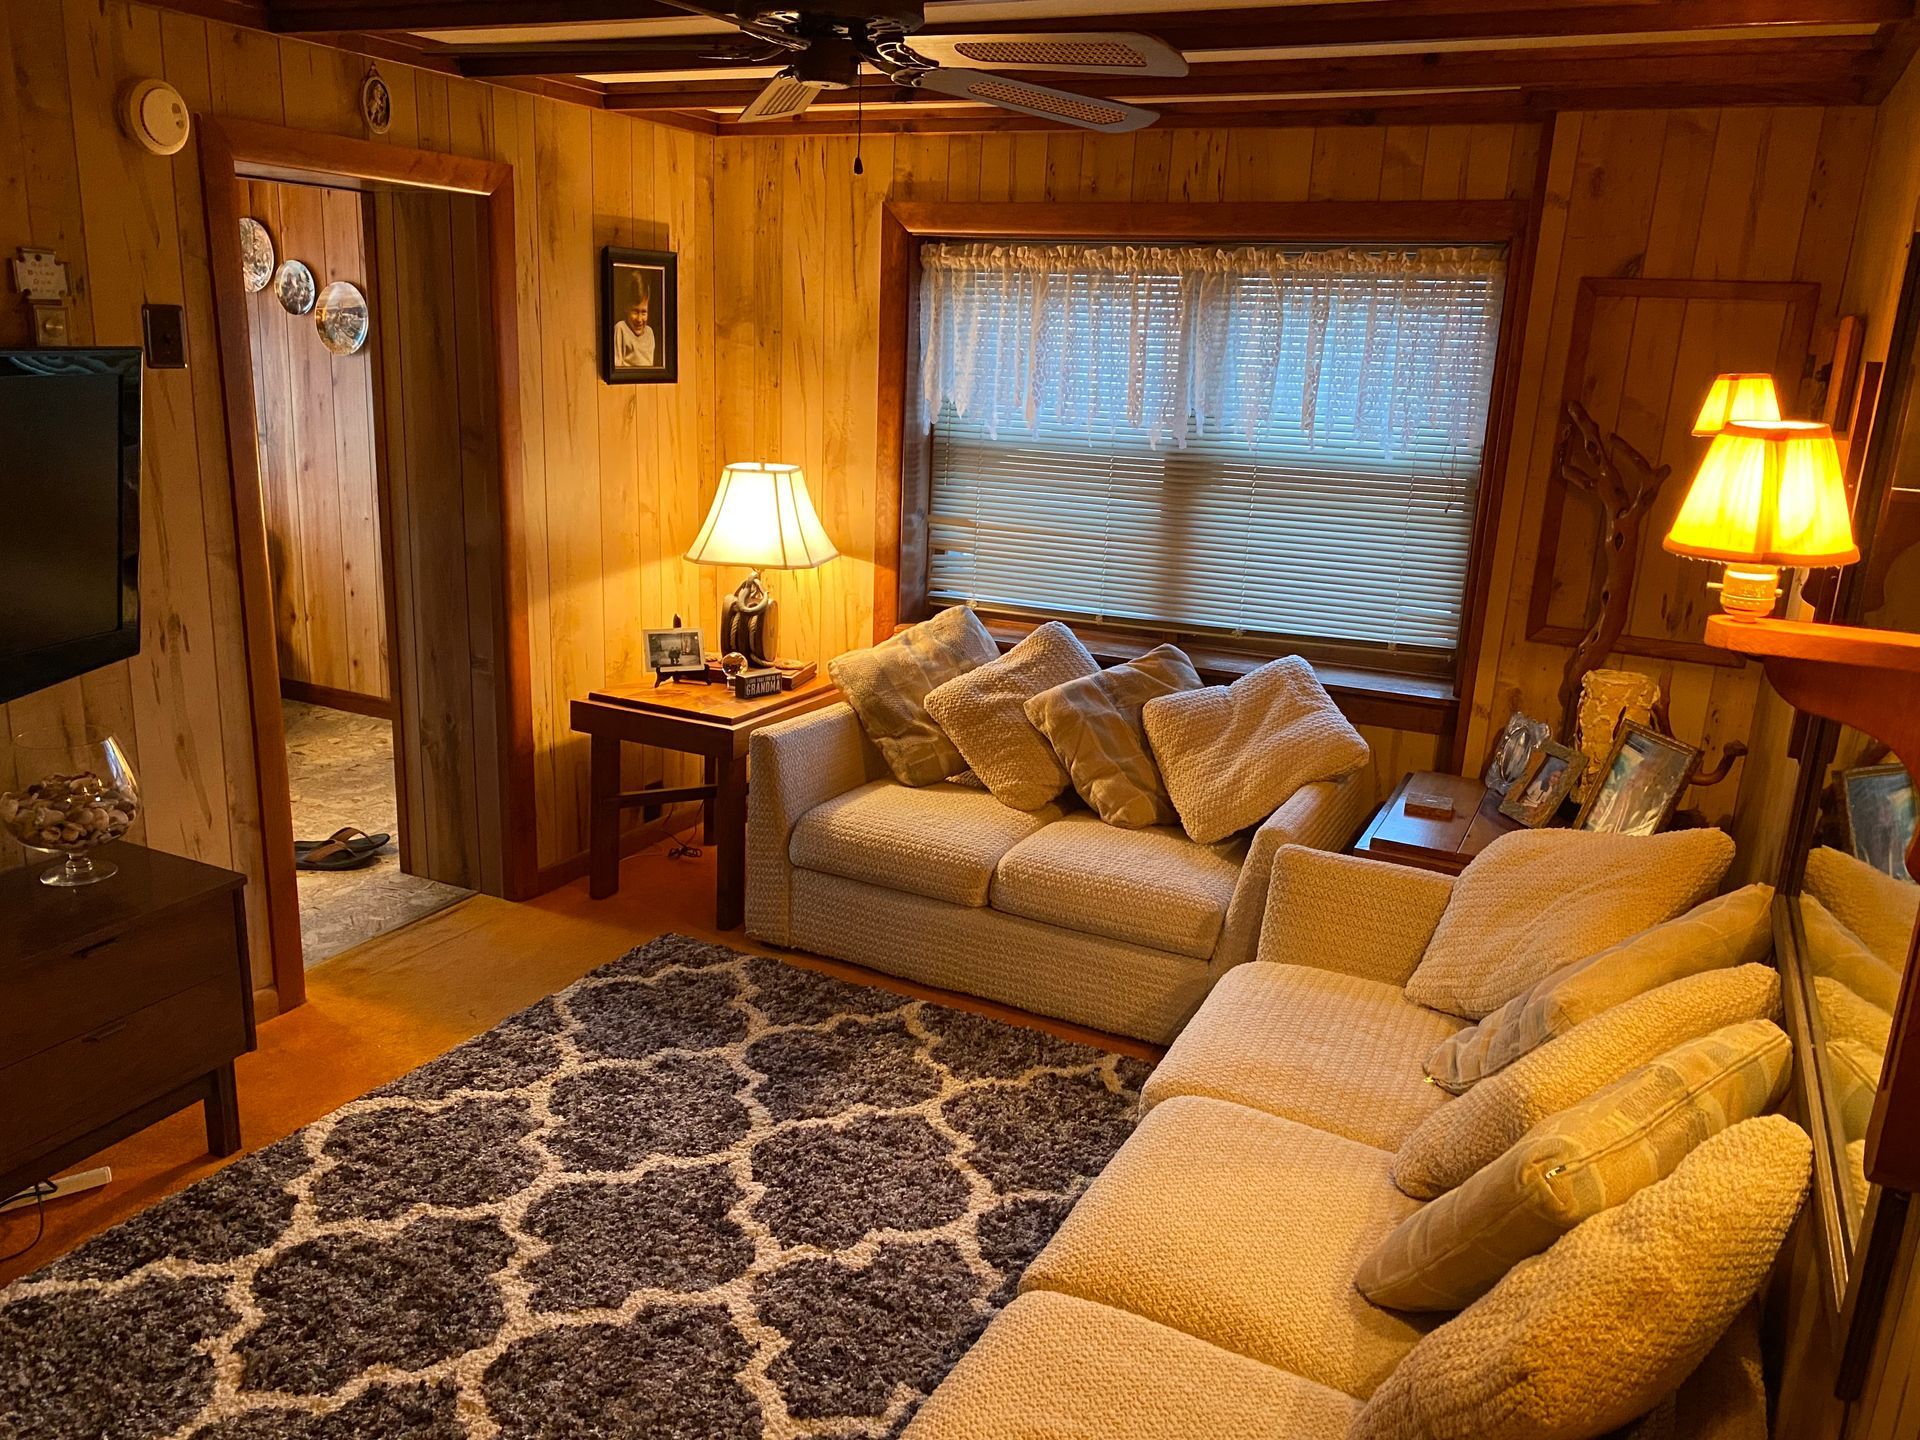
(683, 848)
(39, 1193)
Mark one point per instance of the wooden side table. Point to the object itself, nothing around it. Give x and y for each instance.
(703, 720)
(1428, 844)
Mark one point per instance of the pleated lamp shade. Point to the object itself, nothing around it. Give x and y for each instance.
(1768, 493)
(1737, 397)
(762, 517)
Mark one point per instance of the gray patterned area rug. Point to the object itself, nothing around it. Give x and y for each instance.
(698, 1194)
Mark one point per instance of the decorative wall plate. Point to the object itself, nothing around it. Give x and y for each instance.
(256, 254)
(293, 285)
(376, 102)
(341, 318)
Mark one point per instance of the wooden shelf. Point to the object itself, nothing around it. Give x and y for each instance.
(1830, 645)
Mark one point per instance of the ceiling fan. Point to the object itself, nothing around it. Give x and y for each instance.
(824, 44)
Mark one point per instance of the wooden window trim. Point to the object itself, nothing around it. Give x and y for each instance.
(1400, 702)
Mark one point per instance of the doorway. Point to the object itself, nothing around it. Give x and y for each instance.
(371, 502)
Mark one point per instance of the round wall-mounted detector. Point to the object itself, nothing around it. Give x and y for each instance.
(156, 116)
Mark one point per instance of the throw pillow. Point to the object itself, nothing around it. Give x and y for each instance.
(984, 713)
(1467, 1133)
(1094, 726)
(1576, 1164)
(1535, 900)
(1612, 1318)
(1871, 903)
(887, 686)
(1232, 755)
(1734, 929)
(1834, 950)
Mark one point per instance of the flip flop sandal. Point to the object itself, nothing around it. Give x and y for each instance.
(334, 857)
(347, 835)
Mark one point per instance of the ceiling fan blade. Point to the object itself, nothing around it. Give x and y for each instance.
(783, 99)
(1089, 112)
(1119, 52)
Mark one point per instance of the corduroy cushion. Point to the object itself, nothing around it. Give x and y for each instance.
(1095, 728)
(1474, 1129)
(1231, 755)
(888, 685)
(1875, 906)
(1576, 1164)
(1731, 929)
(1535, 900)
(1612, 1318)
(983, 712)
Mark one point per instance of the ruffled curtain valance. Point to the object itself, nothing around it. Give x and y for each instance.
(1387, 348)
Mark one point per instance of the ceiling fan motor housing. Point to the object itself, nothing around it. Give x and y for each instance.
(905, 14)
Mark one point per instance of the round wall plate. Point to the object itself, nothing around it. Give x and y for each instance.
(156, 116)
(256, 254)
(293, 286)
(376, 103)
(341, 318)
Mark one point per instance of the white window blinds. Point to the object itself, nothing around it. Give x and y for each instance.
(1249, 440)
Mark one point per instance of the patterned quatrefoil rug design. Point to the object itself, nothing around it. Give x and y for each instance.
(699, 1195)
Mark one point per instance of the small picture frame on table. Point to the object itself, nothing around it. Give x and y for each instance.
(1545, 781)
(639, 316)
(675, 652)
(1522, 736)
(1641, 786)
(1880, 812)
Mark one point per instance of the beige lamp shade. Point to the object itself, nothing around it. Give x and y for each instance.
(762, 517)
(1737, 397)
(1769, 494)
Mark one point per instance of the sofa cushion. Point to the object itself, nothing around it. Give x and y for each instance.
(1231, 755)
(1337, 1052)
(888, 684)
(1474, 1129)
(984, 713)
(1620, 1311)
(940, 841)
(1242, 1229)
(1054, 1365)
(1877, 907)
(1535, 900)
(1575, 1164)
(1152, 887)
(1094, 726)
(1835, 951)
(1734, 929)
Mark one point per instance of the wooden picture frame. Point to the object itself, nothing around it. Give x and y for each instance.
(1545, 782)
(675, 651)
(639, 316)
(1613, 808)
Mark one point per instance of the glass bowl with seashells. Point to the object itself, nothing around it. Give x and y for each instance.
(72, 796)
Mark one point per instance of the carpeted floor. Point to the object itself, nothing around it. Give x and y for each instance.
(699, 1194)
(340, 772)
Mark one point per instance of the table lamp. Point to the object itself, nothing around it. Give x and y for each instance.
(1737, 397)
(763, 518)
(1769, 493)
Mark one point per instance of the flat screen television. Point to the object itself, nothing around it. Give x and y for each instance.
(69, 514)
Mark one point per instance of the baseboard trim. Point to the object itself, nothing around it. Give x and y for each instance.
(309, 693)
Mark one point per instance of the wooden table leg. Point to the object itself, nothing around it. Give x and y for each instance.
(603, 835)
(730, 820)
(710, 775)
(222, 1107)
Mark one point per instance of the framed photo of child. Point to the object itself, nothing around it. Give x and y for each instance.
(639, 316)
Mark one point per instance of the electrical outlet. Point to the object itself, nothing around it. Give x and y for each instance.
(166, 337)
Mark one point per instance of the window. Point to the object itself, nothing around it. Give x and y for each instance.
(1254, 441)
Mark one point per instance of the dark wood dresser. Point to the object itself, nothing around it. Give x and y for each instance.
(120, 1003)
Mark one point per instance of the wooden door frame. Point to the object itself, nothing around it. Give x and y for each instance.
(229, 151)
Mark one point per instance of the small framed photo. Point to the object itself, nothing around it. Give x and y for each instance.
(1545, 781)
(1880, 815)
(1522, 736)
(1642, 784)
(639, 316)
(675, 652)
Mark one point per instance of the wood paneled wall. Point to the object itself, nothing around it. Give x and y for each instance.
(318, 481)
(609, 472)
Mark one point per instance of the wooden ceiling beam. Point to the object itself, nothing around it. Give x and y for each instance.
(320, 17)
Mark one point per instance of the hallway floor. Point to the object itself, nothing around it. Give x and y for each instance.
(340, 771)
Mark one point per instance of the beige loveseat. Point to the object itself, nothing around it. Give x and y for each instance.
(1204, 1285)
(1050, 910)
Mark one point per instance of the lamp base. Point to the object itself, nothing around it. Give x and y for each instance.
(1748, 592)
(746, 618)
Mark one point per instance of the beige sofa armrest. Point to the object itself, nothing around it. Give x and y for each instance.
(794, 766)
(1325, 816)
(1357, 916)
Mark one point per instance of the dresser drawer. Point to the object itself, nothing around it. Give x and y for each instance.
(60, 996)
(84, 1082)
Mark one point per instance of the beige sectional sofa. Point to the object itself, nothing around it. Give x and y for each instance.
(1204, 1285)
(1050, 910)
